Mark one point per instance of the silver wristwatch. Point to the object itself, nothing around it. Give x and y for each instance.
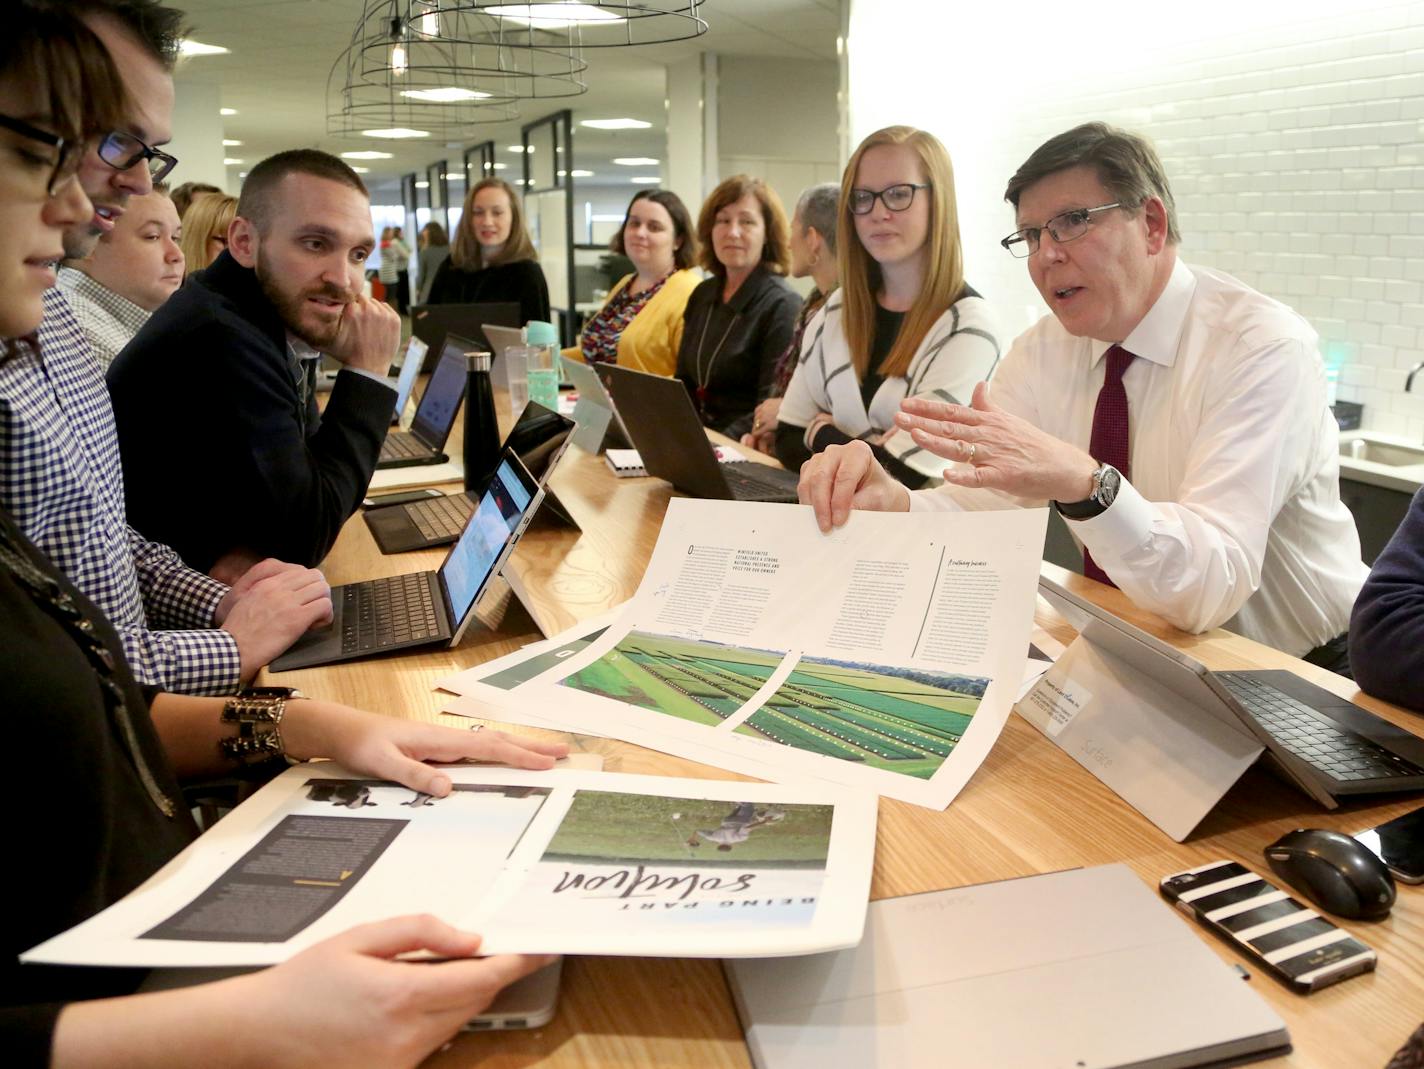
(1107, 480)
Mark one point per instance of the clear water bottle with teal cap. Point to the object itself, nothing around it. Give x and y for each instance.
(544, 368)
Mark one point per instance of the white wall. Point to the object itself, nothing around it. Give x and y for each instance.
(1291, 134)
(198, 136)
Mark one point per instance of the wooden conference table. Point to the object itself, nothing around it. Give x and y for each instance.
(1029, 809)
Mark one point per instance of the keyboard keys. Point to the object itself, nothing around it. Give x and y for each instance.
(381, 613)
(402, 445)
(441, 517)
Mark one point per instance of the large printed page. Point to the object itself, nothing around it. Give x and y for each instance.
(884, 656)
(537, 862)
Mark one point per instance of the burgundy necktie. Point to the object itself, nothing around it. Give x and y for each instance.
(1109, 441)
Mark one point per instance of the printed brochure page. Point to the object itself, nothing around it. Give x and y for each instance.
(561, 862)
(884, 656)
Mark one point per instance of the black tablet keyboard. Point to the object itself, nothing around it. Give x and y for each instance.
(388, 612)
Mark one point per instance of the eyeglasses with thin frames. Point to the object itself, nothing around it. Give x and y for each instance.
(1063, 227)
(121, 151)
(897, 198)
(68, 154)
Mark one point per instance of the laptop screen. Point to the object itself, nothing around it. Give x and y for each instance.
(414, 357)
(436, 414)
(496, 518)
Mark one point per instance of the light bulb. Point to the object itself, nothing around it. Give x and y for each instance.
(399, 63)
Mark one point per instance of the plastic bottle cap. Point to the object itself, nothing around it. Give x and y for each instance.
(540, 333)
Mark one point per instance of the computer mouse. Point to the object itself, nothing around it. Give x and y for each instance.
(1339, 874)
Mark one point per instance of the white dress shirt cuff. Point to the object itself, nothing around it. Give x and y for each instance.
(934, 499)
(1125, 525)
(382, 379)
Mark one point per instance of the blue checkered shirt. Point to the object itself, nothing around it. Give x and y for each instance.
(61, 480)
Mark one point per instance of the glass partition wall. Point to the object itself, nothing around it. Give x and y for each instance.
(548, 207)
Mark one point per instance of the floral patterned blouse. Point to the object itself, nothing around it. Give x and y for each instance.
(599, 340)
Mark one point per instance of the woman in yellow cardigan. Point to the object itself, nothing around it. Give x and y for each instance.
(640, 325)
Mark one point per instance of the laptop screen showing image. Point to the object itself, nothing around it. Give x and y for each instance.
(436, 414)
(474, 556)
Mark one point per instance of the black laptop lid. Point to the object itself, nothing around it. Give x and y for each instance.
(432, 322)
(665, 430)
(436, 413)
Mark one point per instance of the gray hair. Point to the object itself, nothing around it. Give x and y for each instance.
(817, 208)
(1125, 163)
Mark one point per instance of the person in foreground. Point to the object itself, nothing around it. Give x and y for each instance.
(640, 325)
(1175, 417)
(181, 630)
(492, 259)
(103, 770)
(1387, 626)
(261, 473)
(740, 320)
(813, 255)
(131, 271)
(904, 321)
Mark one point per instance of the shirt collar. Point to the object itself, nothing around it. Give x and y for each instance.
(124, 311)
(748, 290)
(1156, 336)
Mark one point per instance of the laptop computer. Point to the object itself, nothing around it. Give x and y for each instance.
(405, 381)
(426, 608)
(424, 443)
(600, 426)
(539, 439)
(431, 322)
(673, 445)
(1080, 968)
(1323, 744)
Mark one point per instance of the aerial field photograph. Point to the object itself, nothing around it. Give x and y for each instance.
(903, 720)
(704, 682)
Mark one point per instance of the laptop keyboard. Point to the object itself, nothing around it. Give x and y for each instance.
(441, 517)
(388, 612)
(1314, 738)
(758, 482)
(403, 445)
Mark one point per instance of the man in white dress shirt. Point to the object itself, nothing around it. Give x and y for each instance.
(1175, 417)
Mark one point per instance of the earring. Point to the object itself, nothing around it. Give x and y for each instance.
(816, 260)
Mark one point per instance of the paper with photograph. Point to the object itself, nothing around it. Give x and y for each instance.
(884, 656)
(537, 862)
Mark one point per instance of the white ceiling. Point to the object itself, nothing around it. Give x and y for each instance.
(282, 51)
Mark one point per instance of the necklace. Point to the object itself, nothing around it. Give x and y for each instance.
(704, 375)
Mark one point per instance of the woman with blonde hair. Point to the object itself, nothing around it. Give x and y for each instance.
(904, 322)
(492, 258)
(739, 321)
(205, 229)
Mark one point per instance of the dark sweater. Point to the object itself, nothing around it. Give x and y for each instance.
(1387, 626)
(219, 450)
(730, 349)
(86, 830)
(521, 282)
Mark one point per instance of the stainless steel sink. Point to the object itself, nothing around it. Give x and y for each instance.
(1391, 454)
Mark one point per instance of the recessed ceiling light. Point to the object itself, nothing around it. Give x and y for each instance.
(645, 180)
(422, 185)
(454, 176)
(229, 142)
(616, 124)
(188, 47)
(395, 133)
(227, 111)
(521, 148)
(230, 162)
(362, 170)
(499, 166)
(576, 174)
(551, 14)
(366, 154)
(636, 161)
(447, 95)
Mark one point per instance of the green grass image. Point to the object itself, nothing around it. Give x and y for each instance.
(631, 828)
(896, 720)
(703, 682)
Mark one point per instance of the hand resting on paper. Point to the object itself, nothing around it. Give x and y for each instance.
(845, 477)
(342, 1002)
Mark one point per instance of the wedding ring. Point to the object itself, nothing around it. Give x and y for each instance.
(476, 727)
(973, 448)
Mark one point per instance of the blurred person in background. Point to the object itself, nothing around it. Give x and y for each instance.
(184, 194)
(434, 250)
(205, 229)
(493, 258)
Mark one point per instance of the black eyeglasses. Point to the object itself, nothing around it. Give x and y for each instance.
(68, 154)
(897, 198)
(121, 151)
(1065, 226)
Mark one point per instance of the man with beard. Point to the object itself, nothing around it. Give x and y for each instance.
(225, 456)
(60, 476)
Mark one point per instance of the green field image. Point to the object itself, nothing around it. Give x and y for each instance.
(629, 828)
(901, 720)
(704, 682)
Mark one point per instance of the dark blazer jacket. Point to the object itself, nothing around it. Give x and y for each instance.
(219, 451)
(521, 281)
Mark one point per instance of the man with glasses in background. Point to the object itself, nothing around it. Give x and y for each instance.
(60, 476)
(1173, 416)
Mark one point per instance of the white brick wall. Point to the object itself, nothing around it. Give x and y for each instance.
(1295, 150)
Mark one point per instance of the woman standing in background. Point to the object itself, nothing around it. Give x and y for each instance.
(493, 257)
(434, 250)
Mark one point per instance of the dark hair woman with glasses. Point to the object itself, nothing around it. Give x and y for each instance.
(903, 323)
